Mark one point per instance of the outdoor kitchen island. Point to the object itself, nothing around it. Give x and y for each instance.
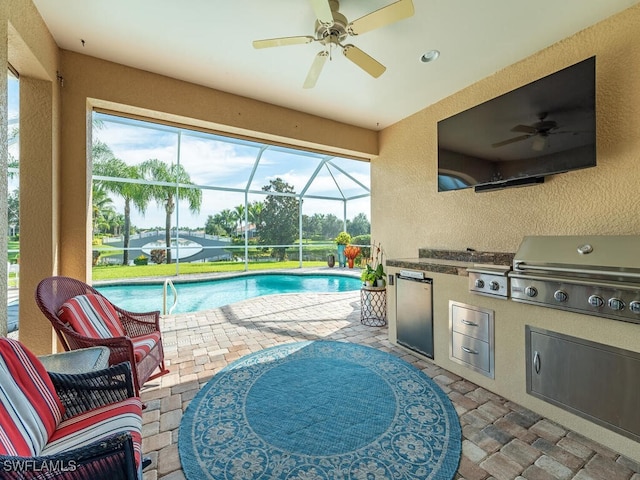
(511, 323)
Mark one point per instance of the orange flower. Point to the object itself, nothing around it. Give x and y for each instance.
(351, 251)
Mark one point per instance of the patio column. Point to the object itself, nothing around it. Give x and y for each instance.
(38, 212)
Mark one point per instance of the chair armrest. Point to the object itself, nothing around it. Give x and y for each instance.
(111, 458)
(138, 323)
(81, 392)
(121, 348)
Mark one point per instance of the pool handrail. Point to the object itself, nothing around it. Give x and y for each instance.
(168, 282)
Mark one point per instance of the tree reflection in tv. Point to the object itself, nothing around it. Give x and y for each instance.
(543, 128)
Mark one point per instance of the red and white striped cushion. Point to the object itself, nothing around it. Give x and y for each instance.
(92, 316)
(143, 344)
(97, 424)
(30, 409)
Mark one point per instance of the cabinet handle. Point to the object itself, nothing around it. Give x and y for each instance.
(536, 361)
(468, 350)
(467, 322)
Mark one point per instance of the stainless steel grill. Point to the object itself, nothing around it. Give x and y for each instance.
(596, 275)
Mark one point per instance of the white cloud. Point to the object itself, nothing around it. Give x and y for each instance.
(213, 162)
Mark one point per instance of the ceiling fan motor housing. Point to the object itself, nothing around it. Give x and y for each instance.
(335, 33)
(545, 126)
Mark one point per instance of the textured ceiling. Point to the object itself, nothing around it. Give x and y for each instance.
(210, 43)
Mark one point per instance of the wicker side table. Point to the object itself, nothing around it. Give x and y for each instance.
(373, 306)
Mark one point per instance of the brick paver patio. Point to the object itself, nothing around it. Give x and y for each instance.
(501, 440)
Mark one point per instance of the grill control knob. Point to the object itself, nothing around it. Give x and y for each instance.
(635, 306)
(493, 285)
(531, 291)
(616, 304)
(479, 283)
(560, 295)
(596, 301)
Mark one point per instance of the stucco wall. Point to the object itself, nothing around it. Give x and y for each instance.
(409, 213)
(29, 47)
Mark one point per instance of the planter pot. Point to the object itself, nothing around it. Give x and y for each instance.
(331, 260)
(350, 260)
(341, 258)
(380, 282)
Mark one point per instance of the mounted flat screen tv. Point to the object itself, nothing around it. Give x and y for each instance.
(543, 128)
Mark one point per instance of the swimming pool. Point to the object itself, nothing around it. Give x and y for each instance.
(208, 294)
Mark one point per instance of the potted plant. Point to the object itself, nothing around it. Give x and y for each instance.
(368, 276)
(373, 277)
(373, 274)
(351, 252)
(342, 240)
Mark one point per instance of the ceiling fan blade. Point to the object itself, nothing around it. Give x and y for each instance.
(525, 129)
(364, 61)
(322, 11)
(316, 68)
(511, 140)
(281, 42)
(384, 16)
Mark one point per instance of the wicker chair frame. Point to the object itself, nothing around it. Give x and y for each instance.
(52, 292)
(108, 459)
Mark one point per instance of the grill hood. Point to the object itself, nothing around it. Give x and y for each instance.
(602, 256)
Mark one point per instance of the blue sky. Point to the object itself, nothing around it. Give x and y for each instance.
(13, 98)
(221, 162)
(13, 102)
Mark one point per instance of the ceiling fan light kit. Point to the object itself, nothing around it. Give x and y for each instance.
(332, 28)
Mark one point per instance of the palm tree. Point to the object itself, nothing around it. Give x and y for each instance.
(116, 223)
(255, 214)
(101, 205)
(228, 221)
(239, 215)
(171, 182)
(136, 193)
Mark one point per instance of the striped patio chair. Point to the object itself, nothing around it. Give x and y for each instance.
(82, 317)
(66, 426)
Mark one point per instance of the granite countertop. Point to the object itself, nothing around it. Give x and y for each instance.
(453, 262)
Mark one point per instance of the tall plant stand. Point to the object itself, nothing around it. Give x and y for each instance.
(373, 306)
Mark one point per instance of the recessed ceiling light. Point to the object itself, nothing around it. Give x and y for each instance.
(430, 56)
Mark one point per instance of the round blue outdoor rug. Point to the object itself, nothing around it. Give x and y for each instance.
(317, 411)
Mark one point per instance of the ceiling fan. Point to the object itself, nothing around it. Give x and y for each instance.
(541, 130)
(332, 29)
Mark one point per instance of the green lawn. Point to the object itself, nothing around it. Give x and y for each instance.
(13, 245)
(115, 272)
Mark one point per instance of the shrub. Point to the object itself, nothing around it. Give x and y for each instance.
(364, 240)
(158, 256)
(141, 260)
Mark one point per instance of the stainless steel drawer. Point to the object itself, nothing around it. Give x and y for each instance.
(472, 323)
(472, 351)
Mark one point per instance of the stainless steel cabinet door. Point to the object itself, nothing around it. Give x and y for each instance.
(592, 380)
(414, 315)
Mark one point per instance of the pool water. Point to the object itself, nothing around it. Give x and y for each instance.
(205, 295)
